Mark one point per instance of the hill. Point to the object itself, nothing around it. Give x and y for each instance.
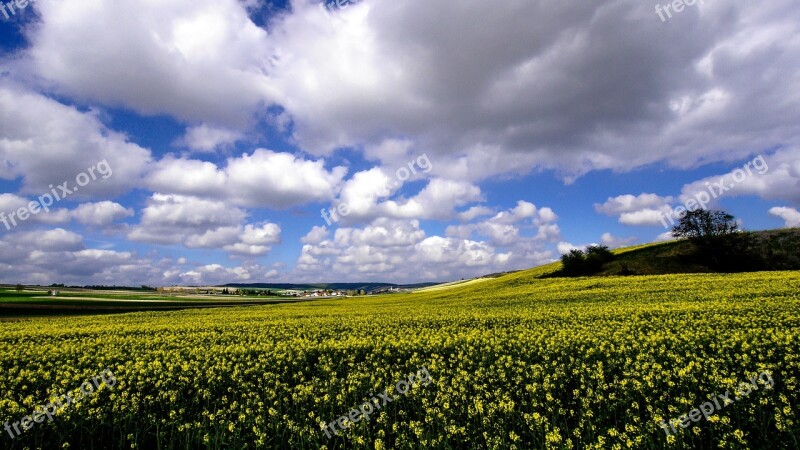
(770, 250)
(761, 251)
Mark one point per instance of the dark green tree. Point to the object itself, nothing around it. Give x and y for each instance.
(705, 228)
(719, 242)
(596, 257)
(573, 263)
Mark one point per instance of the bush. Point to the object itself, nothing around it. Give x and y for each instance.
(596, 257)
(578, 263)
(573, 263)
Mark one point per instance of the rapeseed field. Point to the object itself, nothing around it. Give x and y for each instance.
(514, 363)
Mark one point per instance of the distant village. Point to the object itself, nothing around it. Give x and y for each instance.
(318, 293)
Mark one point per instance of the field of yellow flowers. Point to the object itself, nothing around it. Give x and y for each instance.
(514, 363)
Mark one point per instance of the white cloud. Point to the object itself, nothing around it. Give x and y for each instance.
(776, 176)
(402, 250)
(475, 212)
(630, 203)
(200, 223)
(197, 60)
(100, 214)
(261, 179)
(205, 138)
(172, 219)
(51, 240)
(47, 143)
(11, 204)
(266, 234)
(637, 210)
(371, 194)
(315, 236)
(566, 247)
(791, 216)
(60, 256)
(647, 217)
(503, 229)
(513, 105)
(613, 242)
(665, 236)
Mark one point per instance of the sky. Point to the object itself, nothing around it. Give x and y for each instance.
(246, 141)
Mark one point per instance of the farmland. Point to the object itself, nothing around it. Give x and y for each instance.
(37, 302)
(515, 362)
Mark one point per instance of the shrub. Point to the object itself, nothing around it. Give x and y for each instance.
(573, 263)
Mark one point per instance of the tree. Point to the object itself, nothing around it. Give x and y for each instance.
(19, 288)
(578, 263)
(573, 263)
(704, 227)
(719, 241)
(596, 257)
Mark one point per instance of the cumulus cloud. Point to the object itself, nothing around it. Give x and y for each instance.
(200, 61)
(11, 204)
(769, 177)
(612, 241)
(566, 247)
(205, 138)
(100, 214)
(665, 236)
(775, 176)
(504, 110)
(315, 236)
(261, 179)
(475, 212)
(791, 216)
(201, 223)
(630, 203)
(61, 256)
(637, 210)
(504, 228)
(51, 240)
(513, 105)
(47, 143)
(214, 274)
(402, 250)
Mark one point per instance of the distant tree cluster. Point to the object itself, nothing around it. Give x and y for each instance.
(584, 263)
(719, 242)
(706, 228)
(253, 292)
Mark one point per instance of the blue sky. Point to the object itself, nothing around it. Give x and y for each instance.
(532, 128)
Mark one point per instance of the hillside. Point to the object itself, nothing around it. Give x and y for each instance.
(768, 251)
(774, 250)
